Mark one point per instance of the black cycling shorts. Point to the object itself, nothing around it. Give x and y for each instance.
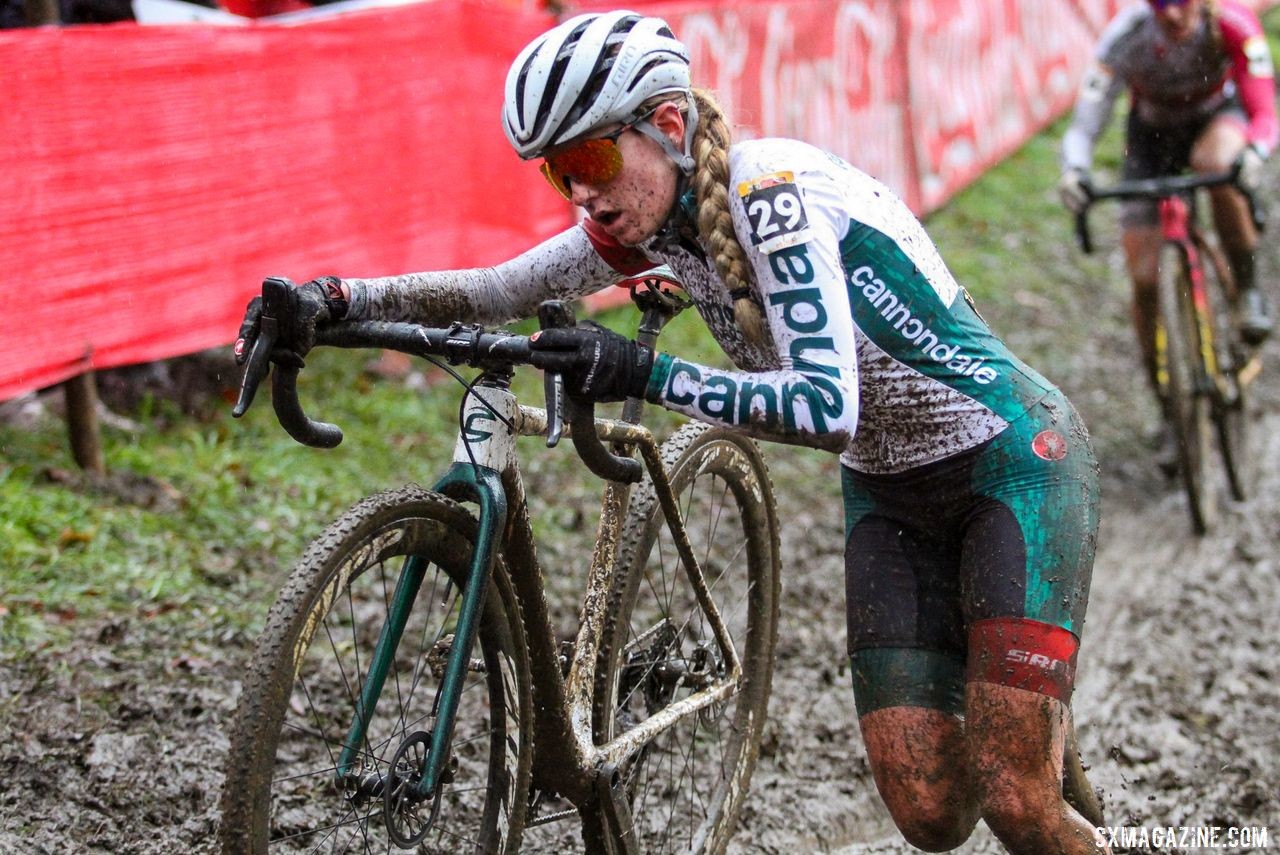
(1152, 151)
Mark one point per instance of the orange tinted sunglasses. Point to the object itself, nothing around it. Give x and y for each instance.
(593, 161)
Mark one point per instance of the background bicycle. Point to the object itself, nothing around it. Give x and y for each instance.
(1203, 367)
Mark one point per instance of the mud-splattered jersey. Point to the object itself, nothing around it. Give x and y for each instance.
(1175, 83)
(875, 349)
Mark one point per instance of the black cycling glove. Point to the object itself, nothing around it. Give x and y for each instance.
(597, 363)
(311, 304)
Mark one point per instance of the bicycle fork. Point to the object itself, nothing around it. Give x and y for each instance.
(471, 478)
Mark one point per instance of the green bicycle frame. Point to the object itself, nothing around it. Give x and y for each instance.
(467, 479)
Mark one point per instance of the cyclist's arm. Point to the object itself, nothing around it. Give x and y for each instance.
(812, 399)
(1094, 107)
(563, 267)
(1254, 74)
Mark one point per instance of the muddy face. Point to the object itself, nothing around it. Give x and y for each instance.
(635, 203)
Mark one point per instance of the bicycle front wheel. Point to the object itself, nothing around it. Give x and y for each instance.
(1183, 382)
(283, 791)
(687, 786)
(1230, 387)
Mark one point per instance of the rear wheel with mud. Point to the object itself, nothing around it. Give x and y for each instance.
(686, 786)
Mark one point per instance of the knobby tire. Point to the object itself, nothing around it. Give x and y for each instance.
(298, 699)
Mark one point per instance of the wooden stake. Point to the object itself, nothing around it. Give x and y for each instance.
(82, 422)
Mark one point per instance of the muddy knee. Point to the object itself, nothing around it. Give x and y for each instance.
(931, 817)
(934, 827)
(919, 763)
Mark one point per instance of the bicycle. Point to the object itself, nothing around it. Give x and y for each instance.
(1203, 366)
(369, 722)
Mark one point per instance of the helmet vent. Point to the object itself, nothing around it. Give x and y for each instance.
(644, 71)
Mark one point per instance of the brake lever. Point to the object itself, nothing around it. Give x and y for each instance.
(256, 366)
(275, 306)
(553, 387)
(1083, 238)
(554, 313)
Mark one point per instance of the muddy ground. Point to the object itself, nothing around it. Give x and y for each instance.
(119, 747)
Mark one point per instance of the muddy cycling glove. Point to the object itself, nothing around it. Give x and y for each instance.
(597, 363)
(311, 304)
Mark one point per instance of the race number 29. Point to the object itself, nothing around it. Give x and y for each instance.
(775, 211)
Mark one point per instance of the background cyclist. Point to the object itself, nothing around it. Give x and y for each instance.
(970, 487)
(1202, 93)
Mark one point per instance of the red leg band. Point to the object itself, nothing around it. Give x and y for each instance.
(1024, 654)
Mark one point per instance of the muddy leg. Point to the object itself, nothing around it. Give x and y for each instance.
(1015, 739)
(918, 760)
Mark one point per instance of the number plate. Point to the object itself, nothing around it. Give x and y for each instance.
(775, 210)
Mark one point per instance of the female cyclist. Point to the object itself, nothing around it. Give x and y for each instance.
(970, 487)
(1200, 78)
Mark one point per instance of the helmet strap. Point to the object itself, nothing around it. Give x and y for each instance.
(671, 232)
(683, 160)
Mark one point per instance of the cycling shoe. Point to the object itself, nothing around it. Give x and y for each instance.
(1255, 316)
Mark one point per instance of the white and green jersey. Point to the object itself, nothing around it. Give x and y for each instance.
(876, 351)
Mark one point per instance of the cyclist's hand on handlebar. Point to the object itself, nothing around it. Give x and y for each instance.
(1073, 189)
(597, 363)
(1248, 168)
(311, 304)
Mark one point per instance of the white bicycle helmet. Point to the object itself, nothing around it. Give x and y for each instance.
(590, 71)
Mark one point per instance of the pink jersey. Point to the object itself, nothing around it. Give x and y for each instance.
(1174, 83)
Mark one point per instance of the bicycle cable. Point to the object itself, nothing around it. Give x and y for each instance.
(469, 390)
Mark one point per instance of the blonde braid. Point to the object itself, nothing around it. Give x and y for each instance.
(710, 182)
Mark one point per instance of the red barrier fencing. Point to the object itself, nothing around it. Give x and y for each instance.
(154, 175)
